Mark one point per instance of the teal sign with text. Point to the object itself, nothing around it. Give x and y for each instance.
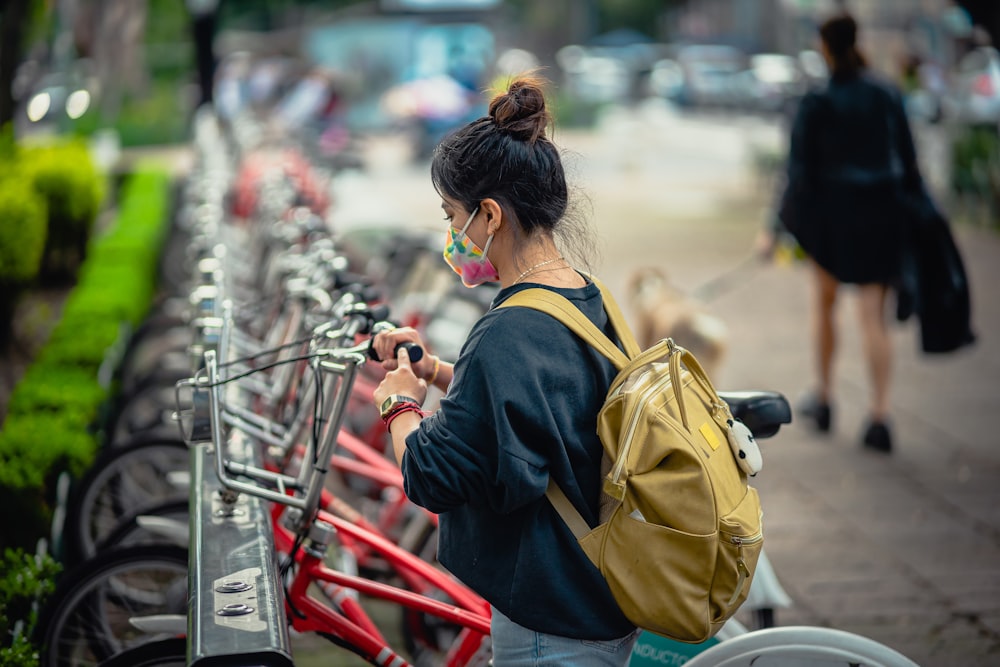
(652, 650)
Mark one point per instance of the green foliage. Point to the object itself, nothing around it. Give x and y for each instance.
(975, 172)
(25, 583)
(69, 391)
(55, 409)
(36, 447)
(65, 176)
(570, 111)
(158, 117)
(975, 151)
(23, 230)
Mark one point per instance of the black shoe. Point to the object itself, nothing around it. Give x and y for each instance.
(877, 437)
(816, 411)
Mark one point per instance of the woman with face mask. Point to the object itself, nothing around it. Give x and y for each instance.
(520, 403)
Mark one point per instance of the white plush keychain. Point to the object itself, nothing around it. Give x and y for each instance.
(744, 447)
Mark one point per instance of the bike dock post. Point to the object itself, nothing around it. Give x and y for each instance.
(236, 611)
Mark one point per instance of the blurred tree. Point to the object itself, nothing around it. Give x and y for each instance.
(641, 15)
(596, 16)
(111, 33)
(14, 18)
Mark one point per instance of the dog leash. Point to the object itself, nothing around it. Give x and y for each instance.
(727, 280)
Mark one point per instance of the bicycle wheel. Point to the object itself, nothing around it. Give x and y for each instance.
(149, 410)
(122, 480)
(87, 619)
(146, 526)
(800, 645)
(163, 653)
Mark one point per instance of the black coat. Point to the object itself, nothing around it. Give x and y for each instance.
(933, 284)
(851, 154)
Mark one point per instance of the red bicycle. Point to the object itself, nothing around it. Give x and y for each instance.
(441, 615)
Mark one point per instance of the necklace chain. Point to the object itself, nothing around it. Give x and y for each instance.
(535, 267)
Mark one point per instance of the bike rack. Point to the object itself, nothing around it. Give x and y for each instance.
(236, 612)
(236, 609)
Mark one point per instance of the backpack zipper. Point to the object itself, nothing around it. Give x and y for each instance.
(742, 570)
(616, 472)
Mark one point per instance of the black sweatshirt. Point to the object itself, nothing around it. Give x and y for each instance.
(522, 406)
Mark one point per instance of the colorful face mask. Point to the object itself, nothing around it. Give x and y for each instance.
(466, 258)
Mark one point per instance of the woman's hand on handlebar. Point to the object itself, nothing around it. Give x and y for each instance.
(387, 343)
(401, 380)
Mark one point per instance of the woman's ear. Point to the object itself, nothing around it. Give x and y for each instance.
(494, 215)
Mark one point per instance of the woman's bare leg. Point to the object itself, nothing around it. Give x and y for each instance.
(877, 345)
(825, 330)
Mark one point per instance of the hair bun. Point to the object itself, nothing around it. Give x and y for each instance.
(521, 110)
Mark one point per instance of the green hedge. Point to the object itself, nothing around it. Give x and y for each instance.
(65, 176)
(49, 199)
(53, 414)
(23, 230)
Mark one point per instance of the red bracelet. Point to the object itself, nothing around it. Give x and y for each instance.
(408, 407)
(400, 406)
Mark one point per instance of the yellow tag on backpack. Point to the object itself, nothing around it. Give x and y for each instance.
(680, 527)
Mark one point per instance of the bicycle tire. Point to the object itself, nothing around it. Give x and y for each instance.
(121, 480)
(800, 644)
(86, 620)
(162, 653)
(148, 410)
(130, 531)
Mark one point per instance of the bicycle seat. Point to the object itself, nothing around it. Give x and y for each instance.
(762, 411)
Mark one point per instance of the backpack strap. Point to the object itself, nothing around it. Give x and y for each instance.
(563, 310)
(570, 516)
(618, 321)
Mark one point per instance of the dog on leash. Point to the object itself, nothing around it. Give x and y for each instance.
(661, 310)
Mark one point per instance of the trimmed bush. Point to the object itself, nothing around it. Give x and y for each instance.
(55, 410)
(23, 230)
(67, 178)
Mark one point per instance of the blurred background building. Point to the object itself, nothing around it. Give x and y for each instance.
(132, 72)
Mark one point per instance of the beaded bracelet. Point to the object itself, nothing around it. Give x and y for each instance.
(437, 367)
(407, 407)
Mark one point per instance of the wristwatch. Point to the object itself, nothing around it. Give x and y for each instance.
(393, 401)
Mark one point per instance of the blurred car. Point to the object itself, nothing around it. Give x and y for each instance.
(666, 79)
(710, 72)
(976, 98)
(769, 82)
(592, 76)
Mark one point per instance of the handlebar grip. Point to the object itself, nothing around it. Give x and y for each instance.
(413, 351)
(379, 312)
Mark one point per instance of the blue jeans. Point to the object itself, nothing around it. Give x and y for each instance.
(515, 645)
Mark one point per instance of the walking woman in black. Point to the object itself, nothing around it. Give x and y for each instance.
(851, 156)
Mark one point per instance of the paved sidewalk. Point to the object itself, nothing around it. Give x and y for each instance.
(906, 548)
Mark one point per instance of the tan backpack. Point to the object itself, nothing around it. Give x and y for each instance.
(680, 528)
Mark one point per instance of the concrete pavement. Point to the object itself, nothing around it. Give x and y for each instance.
(905, 548)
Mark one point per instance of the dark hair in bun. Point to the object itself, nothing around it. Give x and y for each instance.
(506, 156)
(521, 111)
(840, 35)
